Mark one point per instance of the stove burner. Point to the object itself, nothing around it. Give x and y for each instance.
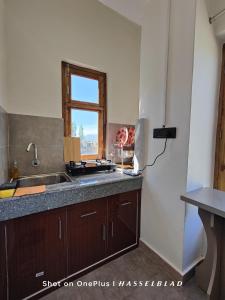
(84, 167)
(74, 164)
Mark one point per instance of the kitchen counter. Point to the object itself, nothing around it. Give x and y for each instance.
(82, 188)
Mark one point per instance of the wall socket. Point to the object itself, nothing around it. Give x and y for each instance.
(165, 133)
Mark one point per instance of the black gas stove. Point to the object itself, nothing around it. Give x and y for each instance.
(89, 167)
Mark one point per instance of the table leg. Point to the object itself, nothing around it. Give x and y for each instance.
(208, 272)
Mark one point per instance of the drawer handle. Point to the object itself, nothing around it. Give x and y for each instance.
(112, 229)
(104, 232)
(39, 274)
(60, 228)
(126, 203)
(89, 214)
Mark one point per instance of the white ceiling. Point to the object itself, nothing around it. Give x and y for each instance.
(131, 9)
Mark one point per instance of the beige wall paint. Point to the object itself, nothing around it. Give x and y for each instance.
(40, 34)
(2, 56)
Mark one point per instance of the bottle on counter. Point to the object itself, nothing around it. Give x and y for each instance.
(14, 172)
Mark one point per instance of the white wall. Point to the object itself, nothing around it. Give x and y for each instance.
(2, 56)
(216, 6)
(207, 60)
(43, 33)
(162, 226)
(206, 77)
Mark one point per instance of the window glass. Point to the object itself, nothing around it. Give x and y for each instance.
(84, 89)
(85, 125)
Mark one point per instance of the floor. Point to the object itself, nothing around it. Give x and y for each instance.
(141, 265)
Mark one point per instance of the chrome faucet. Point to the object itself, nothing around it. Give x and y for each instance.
(35, 161)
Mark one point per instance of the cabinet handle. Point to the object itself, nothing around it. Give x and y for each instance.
(126, 203)
(89, 214)
(112, 229)
(60, 228)
(104, 232)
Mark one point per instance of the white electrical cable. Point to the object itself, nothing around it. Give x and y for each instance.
(167, 63)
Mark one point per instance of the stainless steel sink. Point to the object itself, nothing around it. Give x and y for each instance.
(45, 179)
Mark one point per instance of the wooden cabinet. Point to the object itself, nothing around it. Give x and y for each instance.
(123, 221)
(100, 228)
(36, 252)
(53, 245)
(3, 281)
(86, 229)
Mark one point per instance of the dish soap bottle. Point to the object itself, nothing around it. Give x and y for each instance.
(14, 172)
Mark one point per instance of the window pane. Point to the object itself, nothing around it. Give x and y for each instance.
(84, 89)
(85, 126)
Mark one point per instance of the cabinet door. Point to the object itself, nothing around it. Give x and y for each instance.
(3, 283)
(86, 234)
(123, 221)
(36, 252)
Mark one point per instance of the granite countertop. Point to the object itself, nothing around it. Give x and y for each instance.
(82, 188)
(208, 199)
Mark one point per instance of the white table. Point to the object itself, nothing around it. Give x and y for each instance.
(210, 274)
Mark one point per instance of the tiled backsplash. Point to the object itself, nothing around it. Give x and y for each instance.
(46, 133)
(4, 143)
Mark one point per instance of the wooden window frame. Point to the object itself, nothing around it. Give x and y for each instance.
(219, 153)
(68, 104)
